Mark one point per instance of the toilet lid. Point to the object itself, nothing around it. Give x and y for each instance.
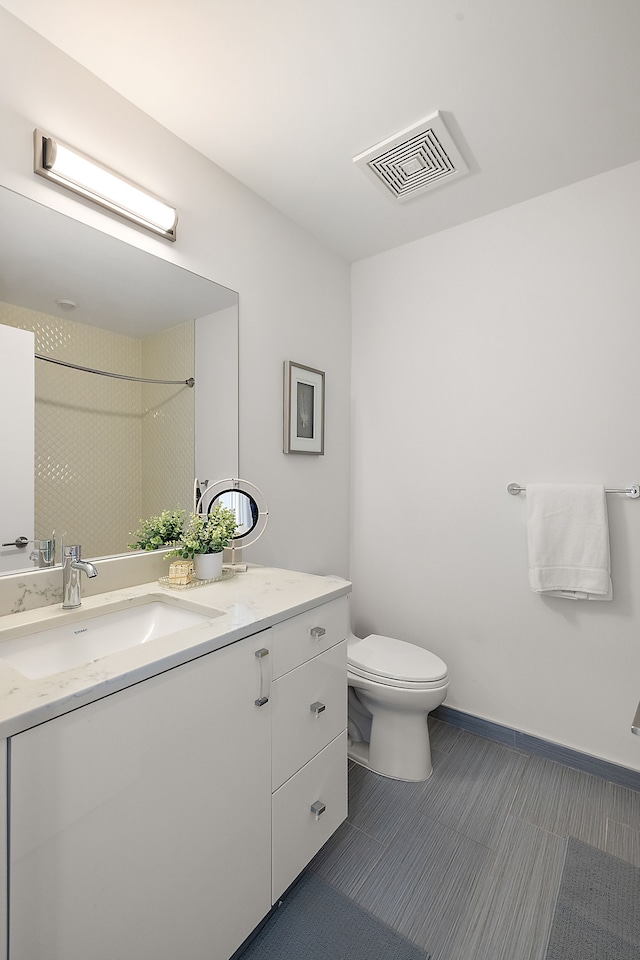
(395, 659)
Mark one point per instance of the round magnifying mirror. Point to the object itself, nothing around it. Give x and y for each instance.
(245, 500)
(243, 505)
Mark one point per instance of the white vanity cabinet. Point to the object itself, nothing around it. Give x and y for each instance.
(141, 824)
(309, 755)
(3, 850)
(165, 819)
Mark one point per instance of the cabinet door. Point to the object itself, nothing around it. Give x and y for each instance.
(3, 849)
(140, 824)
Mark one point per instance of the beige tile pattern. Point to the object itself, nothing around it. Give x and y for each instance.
(168, 421)
(99, 442)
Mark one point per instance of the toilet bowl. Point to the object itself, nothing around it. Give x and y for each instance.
(393, 686)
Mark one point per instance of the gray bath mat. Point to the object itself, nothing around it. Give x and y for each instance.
(598, 911)
(315, 922)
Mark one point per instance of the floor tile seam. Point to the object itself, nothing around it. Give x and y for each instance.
(350, 895)
(574, 810)
(628, 857)
(356, 884)
(556, 897)
(631, 815)
(372, 914)
(621, 823)
(383, 843)
(521, 788)
(505, 814)
(508, 815)
(410, 809)
(472, 926)
(516, 788)
(437, 749)
(595, 776)
(379, 863)
(410, 926)
(362, 906)
(584, 773)
(532, 823)
(458, 833)
(510, 747)
(484, 907)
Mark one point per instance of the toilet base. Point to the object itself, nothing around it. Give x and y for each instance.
(413, 764)
(359, 753)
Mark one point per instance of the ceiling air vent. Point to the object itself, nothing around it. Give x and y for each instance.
(415, 160)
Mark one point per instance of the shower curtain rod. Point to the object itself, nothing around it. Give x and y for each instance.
(117, 376)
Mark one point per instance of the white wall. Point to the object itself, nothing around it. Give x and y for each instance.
(506, 349)
(294, 294)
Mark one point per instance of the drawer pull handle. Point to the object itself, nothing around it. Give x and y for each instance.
(265, 677)
(317, 632)
(318, 808)
(317, 708)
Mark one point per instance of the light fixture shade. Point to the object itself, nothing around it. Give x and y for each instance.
(62, 164)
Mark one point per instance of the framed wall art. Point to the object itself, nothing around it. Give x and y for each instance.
(303, 409)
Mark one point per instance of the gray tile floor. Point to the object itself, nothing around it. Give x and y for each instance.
(468, 864)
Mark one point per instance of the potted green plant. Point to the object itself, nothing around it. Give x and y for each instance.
(164, 530)
(204, 539)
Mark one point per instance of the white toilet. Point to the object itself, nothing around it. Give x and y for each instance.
(393, 686)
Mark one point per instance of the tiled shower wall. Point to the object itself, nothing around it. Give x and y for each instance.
(168, 421)
(108, 451)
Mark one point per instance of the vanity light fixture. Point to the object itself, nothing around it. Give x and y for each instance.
(66, 166)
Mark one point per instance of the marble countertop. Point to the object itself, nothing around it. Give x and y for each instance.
(249, 602)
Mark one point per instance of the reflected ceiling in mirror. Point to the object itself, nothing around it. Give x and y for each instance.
(46, 257)
(135, 310)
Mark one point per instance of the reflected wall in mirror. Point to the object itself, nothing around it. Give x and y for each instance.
(109, 451)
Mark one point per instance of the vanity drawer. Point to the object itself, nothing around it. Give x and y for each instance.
(309, 709)
(297, 833)
(305, 636)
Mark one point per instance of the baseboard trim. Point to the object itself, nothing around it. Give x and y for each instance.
(622, 776)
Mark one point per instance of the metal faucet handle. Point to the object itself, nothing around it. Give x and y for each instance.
(45, 552)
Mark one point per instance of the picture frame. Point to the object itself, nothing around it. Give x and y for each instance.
(303, 409)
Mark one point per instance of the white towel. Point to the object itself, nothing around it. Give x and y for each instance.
(568, 535)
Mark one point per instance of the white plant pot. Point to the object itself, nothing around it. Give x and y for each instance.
(208, 566)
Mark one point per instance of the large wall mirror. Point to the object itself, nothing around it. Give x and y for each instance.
(106, 451)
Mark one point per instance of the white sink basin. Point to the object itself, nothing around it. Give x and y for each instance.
(79, 641)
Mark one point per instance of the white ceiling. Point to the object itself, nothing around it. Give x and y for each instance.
(283, 94)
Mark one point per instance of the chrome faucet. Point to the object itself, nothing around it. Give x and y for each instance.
(72, 567)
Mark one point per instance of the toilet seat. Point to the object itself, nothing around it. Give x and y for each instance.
(394, 662)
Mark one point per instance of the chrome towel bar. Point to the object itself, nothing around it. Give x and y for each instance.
(632, 491)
